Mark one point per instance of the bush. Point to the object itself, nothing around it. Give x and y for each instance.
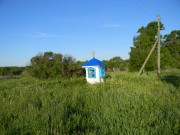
(52, 65)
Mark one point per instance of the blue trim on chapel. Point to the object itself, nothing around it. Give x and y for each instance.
(101, 72)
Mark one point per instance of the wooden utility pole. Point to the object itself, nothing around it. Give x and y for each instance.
(140, 71)
(159, 46)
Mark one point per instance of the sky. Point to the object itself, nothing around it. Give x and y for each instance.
(76, 27)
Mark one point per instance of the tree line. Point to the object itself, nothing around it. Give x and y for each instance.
(50, 65)
(11, 71)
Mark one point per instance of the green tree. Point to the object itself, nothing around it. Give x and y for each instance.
(116, 63)
(47, 65)
(50, 65)
(172, 43)
(69, 65)
(142, 45)
(79, 70)
(166, 59)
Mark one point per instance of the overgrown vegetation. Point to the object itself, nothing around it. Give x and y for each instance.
(124, 104)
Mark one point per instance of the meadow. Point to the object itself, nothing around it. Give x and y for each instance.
(124, 104)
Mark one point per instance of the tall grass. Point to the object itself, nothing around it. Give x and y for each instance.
(124, 104)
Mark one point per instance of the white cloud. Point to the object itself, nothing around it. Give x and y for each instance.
(38, 35)
(111, 25)
(46, 35)
(42, 34)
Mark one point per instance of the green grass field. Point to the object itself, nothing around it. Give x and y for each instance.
(124, 104)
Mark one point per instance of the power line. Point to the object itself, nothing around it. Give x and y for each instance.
(143, 6)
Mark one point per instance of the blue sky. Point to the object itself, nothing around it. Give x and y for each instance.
(76, 27)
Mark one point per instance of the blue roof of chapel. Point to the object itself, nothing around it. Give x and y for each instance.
(94, 62)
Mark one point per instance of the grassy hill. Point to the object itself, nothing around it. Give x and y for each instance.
(124, 104)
